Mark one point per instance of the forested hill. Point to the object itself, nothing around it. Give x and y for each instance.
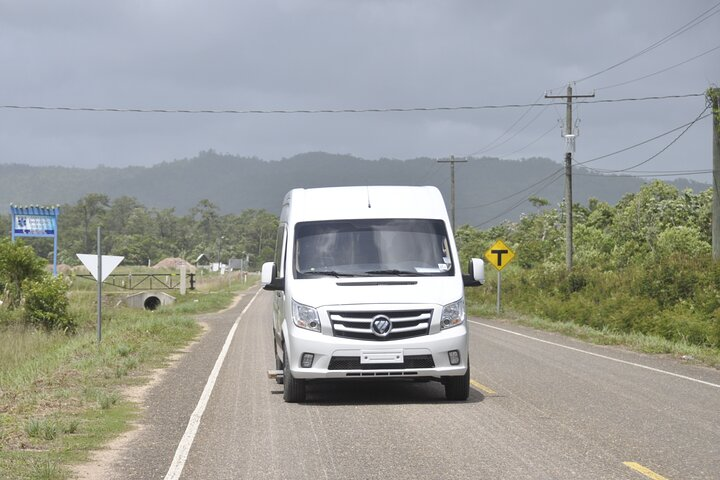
(238, 183)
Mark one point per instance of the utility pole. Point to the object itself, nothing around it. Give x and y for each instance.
(713, 96)
(452, 163)
(569, 150)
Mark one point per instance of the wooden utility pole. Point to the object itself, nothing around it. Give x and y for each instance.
(570, 149)
(713, 95)
(452, 163)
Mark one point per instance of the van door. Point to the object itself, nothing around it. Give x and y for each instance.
(279, 298)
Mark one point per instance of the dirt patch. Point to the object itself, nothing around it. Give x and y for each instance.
(174, 263)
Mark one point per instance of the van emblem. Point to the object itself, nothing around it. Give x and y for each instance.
(381, 326)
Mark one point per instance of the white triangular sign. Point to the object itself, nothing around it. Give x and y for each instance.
(109, 263)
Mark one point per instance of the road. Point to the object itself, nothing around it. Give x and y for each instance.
(542, 407)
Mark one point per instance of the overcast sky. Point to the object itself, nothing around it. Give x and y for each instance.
(351, 54)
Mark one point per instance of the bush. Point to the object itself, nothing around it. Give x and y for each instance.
(46, 304)
(18, 263)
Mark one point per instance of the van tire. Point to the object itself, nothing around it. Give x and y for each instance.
(458, 388)
(294, 388)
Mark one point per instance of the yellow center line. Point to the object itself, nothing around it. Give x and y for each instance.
(645, 471)
(483, 388)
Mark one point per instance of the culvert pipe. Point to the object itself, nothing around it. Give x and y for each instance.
(152, 303)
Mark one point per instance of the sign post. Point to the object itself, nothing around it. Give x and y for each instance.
(499, 255)
(100, 266)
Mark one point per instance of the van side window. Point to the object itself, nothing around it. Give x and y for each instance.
(280, 241)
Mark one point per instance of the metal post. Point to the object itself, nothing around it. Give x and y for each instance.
(99, 290)
(55, 245)
(498, 290)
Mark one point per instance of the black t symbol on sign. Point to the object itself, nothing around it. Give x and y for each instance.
(499, 254)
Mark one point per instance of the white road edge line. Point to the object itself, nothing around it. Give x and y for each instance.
(657, 370)
(186, 442)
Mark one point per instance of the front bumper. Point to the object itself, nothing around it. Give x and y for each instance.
(335, 357)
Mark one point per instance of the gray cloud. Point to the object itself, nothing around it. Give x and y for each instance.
(344, 54)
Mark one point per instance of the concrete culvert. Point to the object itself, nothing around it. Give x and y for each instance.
(151, 303)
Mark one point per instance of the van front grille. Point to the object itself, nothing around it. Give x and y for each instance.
(353, 363)
(358, 325)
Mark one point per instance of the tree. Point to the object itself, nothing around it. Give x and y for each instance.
(18, 263)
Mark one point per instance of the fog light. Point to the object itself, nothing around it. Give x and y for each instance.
(454, 356)
(307, 360)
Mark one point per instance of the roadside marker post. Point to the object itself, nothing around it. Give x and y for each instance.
(100, 266)
(499, 255)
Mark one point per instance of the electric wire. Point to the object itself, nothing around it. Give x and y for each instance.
(517, 132)
(430, 172)
(490, 145)
(659, 71)
(514, 194)
(639, 143)
(679, 31)
(699, 117)
(523, 200)
(557, 174)
(339, 111)
(648, 174)
(543, 135)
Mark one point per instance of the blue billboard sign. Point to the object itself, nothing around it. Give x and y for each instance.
(36, 221)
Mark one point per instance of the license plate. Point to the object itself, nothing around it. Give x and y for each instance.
(381, 356)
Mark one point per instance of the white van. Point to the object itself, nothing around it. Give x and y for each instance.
(368, 285)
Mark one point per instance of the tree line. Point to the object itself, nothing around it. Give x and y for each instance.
(147, 235)
(642, 265)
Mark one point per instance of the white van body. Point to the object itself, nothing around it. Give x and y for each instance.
(368, 284)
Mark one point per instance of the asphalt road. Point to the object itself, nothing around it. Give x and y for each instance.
(542, 407)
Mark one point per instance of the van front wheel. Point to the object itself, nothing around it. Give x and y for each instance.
(293, 388)
(458, 388)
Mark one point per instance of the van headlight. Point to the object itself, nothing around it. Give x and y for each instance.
(305, 317)
(453, 314)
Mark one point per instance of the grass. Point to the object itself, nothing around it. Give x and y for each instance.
(639, 342)
(61, 396)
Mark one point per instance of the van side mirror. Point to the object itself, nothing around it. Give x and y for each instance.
(476, 273)
(268, 277)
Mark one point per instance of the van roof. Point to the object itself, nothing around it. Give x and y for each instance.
(335, 203)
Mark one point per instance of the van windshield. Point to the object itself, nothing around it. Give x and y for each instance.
(372, 247)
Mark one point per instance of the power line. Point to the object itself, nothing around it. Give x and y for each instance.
(500, 200)
(531, 143)
(514, 194)
(649, 173)
(558, 176)
(336, 111)
(661, 150)
(517, 132)
(660, 71)
(691, 24)
(491, 145)
(640, 143)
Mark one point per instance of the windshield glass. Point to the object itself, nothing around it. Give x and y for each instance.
(369, 247)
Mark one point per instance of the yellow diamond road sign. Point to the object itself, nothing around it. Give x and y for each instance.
(499, 255)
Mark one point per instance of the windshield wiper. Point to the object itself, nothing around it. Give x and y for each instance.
(328, 273)
(396, 272)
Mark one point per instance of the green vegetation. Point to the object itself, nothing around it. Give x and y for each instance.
(642, 276)
(238, 183)
(147, 235)
(61, 395)
(18, 263)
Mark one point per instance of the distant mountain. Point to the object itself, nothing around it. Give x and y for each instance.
(488, 190)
